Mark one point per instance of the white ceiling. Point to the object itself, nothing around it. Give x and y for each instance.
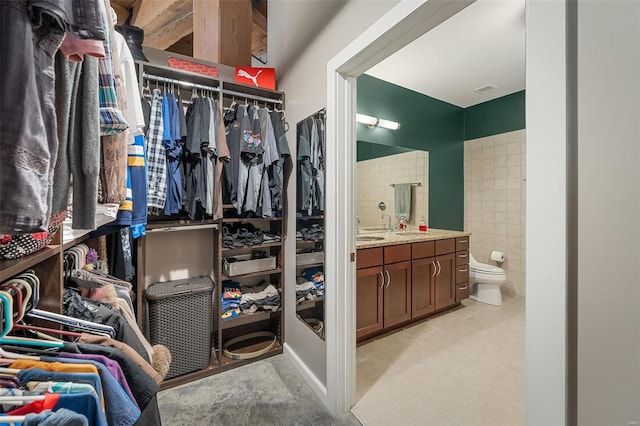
(483, 44)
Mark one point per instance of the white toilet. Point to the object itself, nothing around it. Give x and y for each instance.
(485, 282)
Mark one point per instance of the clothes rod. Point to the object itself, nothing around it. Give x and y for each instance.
(246, 95)
(412, 183)
(180, 82)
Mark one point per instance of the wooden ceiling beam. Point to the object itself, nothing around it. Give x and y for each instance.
(164, 21)
(222, 31)
(122, 12)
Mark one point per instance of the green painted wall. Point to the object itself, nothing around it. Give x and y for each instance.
(368, 151)
(432, 125)
(501, 115)
(426, 124)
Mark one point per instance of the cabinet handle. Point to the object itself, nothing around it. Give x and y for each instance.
(462, 255)
(434, 269)
(388, 277)
(463, 288)
(381, 280)
(462, 241)
(463, 270)
(439, 267)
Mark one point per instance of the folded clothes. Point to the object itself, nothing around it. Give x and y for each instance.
(236, 235)
(314, 232)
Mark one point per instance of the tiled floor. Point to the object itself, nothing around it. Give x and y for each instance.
(464, 367)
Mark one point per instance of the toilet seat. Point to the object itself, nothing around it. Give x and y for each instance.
(486, 269)
(483, 268)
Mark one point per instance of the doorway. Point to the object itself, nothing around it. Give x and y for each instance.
(402, 25)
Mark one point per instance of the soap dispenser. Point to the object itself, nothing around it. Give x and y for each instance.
(423, 225)
(403, 224)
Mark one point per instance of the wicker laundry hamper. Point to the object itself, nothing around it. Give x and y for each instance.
(180, 317)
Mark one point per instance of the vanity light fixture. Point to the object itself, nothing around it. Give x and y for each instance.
(372, 122)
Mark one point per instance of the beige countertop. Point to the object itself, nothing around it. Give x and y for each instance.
(386, 238)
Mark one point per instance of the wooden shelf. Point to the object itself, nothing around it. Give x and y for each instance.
(278, 244)
(213, 368)
(308, 304)
(310, 265)
(75, 241)
(9, 268)
(316, 217)
(228, 364)
(181, 225)
(300, 240)
(253, 274)
(248, 319)
(247, 219)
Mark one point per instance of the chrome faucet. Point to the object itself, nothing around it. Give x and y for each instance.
(389, 216)
(357, 225)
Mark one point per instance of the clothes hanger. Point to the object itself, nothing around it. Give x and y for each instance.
(12, 420)
(46, 330)
(88, 326)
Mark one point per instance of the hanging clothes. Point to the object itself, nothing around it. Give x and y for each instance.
(305, 174)
(224, 156)
(270, 158)
(278, 169)
(173, 148)
(78, 165)
(318, 188)
(234, 138)
(156, 158)
(251, 161)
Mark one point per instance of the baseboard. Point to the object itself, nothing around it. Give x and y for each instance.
(318, 388)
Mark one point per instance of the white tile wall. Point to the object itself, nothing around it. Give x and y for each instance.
(375, 177)
(494, 202)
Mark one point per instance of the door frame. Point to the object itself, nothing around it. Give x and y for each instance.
(404, 23)
(547, 110)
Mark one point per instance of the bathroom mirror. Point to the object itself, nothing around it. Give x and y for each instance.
(379, 168)
(310, 197)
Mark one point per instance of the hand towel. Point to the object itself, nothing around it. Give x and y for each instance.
(403, 200)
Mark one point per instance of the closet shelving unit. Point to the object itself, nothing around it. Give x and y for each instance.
(260, 320)
(226, 90)
(47, 263)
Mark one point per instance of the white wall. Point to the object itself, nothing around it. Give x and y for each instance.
(608, 212)
(546, 270)
(304, 83)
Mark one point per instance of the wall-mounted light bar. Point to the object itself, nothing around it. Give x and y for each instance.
(372, 122)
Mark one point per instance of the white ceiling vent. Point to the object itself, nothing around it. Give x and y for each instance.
(486, 88)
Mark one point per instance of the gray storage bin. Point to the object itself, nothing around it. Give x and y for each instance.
(180, 317)
(246, 265)
(309, 258)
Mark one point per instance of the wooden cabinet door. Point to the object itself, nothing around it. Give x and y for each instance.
(422, 288)
(369, 302)
(397, 293)
(445, 282)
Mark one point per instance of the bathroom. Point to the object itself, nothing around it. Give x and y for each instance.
(469, 159)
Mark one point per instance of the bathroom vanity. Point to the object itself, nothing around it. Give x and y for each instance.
(406, 277)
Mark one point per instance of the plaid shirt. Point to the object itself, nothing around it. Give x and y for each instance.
(111, 119)
(156, 156)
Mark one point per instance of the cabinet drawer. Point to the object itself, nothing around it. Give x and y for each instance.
(366, 258)
(462, 274)
(462, 258)
(462, 291)
(422, 250)
(445, 246)
(462, 243)
(399, 253)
